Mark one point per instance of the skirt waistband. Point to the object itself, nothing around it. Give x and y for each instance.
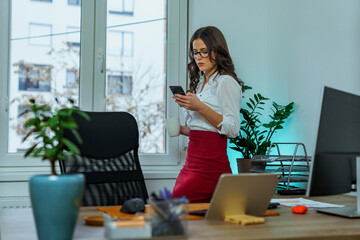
(207, 152)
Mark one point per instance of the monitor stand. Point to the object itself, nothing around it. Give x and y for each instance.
(349, 212)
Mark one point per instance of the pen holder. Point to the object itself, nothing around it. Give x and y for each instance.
(169, 218)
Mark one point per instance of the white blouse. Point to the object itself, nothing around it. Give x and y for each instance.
(222, 94)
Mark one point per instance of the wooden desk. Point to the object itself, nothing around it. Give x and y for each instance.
(311, 225)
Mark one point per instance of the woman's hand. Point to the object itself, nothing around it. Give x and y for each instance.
(184, 131)
(193, 103)
(189, 102)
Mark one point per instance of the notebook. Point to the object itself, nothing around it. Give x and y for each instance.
(242, 194)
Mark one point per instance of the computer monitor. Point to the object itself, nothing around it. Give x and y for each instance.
(333, 169)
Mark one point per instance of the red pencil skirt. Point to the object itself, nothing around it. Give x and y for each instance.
(206, 160)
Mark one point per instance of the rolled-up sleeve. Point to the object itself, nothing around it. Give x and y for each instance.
(229, 93)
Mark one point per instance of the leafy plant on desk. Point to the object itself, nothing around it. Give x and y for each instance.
(47, 128)
(255, 136)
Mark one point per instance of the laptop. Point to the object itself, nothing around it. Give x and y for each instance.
(242, 194)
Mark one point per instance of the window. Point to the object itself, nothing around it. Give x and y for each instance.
(74, 2)
(124, 7)
(40, 34)
(39, 61)
(138, 46)
(73, 36)
(127, 44)
(34, 77)
(119, 84)
(72, 78)
(120, 43)
(124, 67)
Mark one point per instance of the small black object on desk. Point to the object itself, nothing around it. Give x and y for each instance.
(273, 205)
(133, 205)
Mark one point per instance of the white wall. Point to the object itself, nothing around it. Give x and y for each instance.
(312, 43)
(244, 25)
(287, 50)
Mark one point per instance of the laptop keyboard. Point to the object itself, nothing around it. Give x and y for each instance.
(295, 191)
(198, 212)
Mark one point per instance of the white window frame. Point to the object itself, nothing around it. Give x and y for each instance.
(14, 167)
(176, 73)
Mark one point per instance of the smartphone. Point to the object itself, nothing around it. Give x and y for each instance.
(177, 90)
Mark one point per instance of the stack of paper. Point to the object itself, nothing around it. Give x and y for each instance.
(291, 202)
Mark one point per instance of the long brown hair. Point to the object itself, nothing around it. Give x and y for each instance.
(215, 42)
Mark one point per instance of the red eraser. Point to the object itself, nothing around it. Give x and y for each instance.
(299, 209)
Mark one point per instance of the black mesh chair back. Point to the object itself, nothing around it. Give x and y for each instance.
(108, 158)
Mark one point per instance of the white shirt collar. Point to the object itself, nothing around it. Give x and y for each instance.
(212, 77)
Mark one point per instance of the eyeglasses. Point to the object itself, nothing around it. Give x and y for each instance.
(203, 53)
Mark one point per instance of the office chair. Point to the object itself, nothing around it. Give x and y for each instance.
(108, 158)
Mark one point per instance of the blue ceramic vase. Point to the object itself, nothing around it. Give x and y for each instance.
(55, 202)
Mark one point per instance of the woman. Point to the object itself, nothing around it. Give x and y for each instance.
(212, 113)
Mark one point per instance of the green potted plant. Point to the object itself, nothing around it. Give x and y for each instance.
(55, 198)
(255, 135)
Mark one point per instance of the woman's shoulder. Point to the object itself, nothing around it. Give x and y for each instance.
(227, 80)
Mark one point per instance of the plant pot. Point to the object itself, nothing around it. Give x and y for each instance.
(257, 167)
(244, 165)
(55, 202)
